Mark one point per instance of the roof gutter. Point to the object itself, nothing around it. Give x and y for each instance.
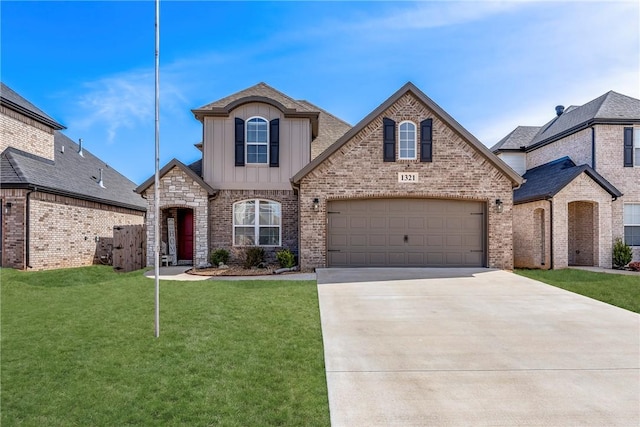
(73, 195)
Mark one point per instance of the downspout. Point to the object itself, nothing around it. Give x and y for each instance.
(593, 148)
(550, 200)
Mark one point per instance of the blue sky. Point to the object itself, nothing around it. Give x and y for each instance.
(491, 65)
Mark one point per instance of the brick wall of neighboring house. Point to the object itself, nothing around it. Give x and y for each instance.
(13, 228)
(179, 190)
(357, 170)
(532, 235)
(582, 189)
(577, 146)
(58, 226)
(21, 132)
(609, 163)
(221, 220)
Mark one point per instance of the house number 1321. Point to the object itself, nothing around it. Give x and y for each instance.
(407, 177)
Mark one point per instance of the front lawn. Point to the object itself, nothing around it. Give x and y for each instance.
(615, 289)
(78, 349)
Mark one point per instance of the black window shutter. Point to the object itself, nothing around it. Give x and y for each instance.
(389, 140)
(274, 143)
(239, 142)
(628, 147)
(426, 145)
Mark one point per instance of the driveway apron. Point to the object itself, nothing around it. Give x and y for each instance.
(474, 347)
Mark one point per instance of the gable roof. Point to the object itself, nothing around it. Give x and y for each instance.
(69, 174)
(443, 115)
(11, 99)
(518, 138)
(264, 93)
(612, 108)
(193, 171)
(545, 181)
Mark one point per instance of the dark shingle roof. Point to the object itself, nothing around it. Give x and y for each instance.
(70, 174)
(193, 171)
(13, 100)
(330, 129)
(612, 107)
(259, 90)
(518, 138)
(545, 181)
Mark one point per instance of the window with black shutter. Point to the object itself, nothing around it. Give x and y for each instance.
(628, 147)
(274, 143)
(389, 140)
(239, 142)
(426, 140)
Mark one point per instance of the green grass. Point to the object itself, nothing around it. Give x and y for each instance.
(615, 289)
(78, 350)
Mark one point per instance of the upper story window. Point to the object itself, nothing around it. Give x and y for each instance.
(257, 140)
(407, 137)
(632, 224)
(257, 223)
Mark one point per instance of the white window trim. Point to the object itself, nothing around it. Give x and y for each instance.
(624, 224)
(256, 225)
(247, 143)
(415, 141)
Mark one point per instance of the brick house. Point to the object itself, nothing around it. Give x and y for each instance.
(582, 184)
(58, 202)
(407, 186)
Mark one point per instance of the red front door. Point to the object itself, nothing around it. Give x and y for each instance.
(185, 234)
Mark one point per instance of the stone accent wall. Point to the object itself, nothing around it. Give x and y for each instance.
(577, 146)
(179, 190)
(582, 189)
(221, 220)
(23, 133)
(63, 231)
(357, 170)
(532, 235)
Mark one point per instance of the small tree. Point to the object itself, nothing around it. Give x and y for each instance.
(622, 254)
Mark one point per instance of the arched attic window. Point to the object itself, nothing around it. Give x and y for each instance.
(407, 138)
(257, 140)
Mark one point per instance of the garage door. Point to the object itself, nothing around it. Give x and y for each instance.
(406, 232)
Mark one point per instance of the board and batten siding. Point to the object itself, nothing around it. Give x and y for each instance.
(219, 168)
(517, 161)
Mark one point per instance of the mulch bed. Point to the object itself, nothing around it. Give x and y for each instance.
(236, 270)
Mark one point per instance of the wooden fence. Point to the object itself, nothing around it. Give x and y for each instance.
(129, 247)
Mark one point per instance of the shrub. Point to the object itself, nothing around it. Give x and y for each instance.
(621, 253)
(219, 256)
(286, 258)
(635, 266)
(253, 257)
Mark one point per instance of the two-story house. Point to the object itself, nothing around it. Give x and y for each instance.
(58, 202)
(406, 186)
(582, 184)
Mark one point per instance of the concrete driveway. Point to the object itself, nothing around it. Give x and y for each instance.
(474, 347)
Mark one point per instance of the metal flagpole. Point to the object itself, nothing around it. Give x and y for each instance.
(156, 224)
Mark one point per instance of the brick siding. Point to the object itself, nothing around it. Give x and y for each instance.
(577, 146)
(221, 220)
(23, 133)
(528, 235)
(357, 170)
(63, 231)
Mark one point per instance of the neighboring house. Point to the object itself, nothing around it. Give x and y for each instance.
(582, 184)
(407, 186)
(59, 203)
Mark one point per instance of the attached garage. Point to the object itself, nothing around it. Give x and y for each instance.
(406, 233)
